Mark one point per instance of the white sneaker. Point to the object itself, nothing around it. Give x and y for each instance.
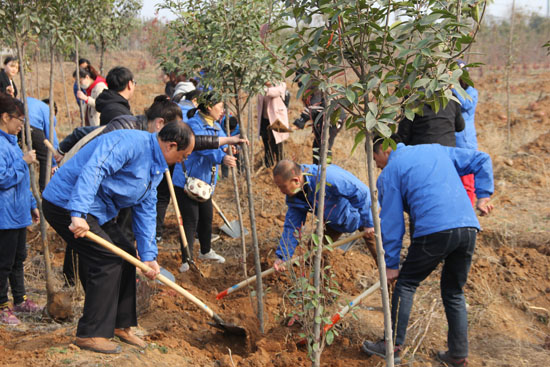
(184, 267)
(212, 255)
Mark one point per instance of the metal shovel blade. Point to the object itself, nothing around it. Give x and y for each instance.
(346, 246)
(227, 328)
(167, 274)
(233, 231)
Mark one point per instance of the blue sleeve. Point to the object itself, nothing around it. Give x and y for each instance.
(467, 161)
(108, 157)
(293, 222)
(11, 173)
(468, 104)
(356, 194)
(391, 221)
(33, 200)
(144, 219)
(75, 89)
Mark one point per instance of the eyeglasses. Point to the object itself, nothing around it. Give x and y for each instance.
(21, 119)
(135, 83)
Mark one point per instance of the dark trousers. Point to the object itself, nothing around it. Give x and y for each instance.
(454, 248)
(317, 139)
(38, 137)
(13, 252)
(197, 218)
(110, 296)
(273, 152)
(163, 200)
(73, 265)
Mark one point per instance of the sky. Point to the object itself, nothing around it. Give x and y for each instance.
(498, 8)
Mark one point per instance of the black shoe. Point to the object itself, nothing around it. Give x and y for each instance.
(446, 358)
(379, 348)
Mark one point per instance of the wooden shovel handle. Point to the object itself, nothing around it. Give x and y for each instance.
(177, 210)
(50, 147)
(286, 263)
(138, 264)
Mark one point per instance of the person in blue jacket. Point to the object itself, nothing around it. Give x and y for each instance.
(423, 180)
(347, 203)
(17, 210)
(118, 170)
(467, 138)
(39, 119)
(188, 101)
(197, 216)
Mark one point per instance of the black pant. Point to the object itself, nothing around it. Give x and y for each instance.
(273, 152)
(110, 300)
(197, 218)
(317, 139)
(455, 248)
(13, 252)
(71, 265)
(163, 200)
(38, 137)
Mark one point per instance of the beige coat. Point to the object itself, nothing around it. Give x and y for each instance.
(93, 115)
(276, 110)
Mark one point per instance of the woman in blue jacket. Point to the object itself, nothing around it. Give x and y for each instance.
(17, 206)
(197, 216)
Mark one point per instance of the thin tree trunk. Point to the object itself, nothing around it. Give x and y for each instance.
(257, 265)
(250, 131)
(34, 186)
(65, 90)
(37, 95)
(237, 198)
(52, 114)
(318, 345)
(101, 58)
(78, 83)
(380, 253)
(507, 76)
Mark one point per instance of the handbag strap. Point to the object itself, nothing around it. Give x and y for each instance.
(211, 178)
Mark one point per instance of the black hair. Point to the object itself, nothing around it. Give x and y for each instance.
(208, 100)
(82, 61)
(47, 101)
(378, 141)
(177, 132)
(194, 94)
(286, 169)
(165, 108)
(233, 123)
(11, 106)
(9, 59)
(87, 71)
(118, 78)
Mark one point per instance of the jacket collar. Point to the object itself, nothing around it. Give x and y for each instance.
(11, 138)
(159, 163)
(399, 147)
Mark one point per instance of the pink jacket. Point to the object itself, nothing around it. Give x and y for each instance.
(276, 109)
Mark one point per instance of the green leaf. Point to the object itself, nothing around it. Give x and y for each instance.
(351, 95)
(329, 337)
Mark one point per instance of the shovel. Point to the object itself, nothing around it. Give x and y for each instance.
(233, 228)
(340, 314)
(218, 321)
(180, 222)
(271, 270)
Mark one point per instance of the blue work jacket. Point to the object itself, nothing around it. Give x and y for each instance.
(117, 170)
(423, 180)
(199, 163)
(39, 118)
(16, 199)
(467, 138)
(347, 205)
(185, 106)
